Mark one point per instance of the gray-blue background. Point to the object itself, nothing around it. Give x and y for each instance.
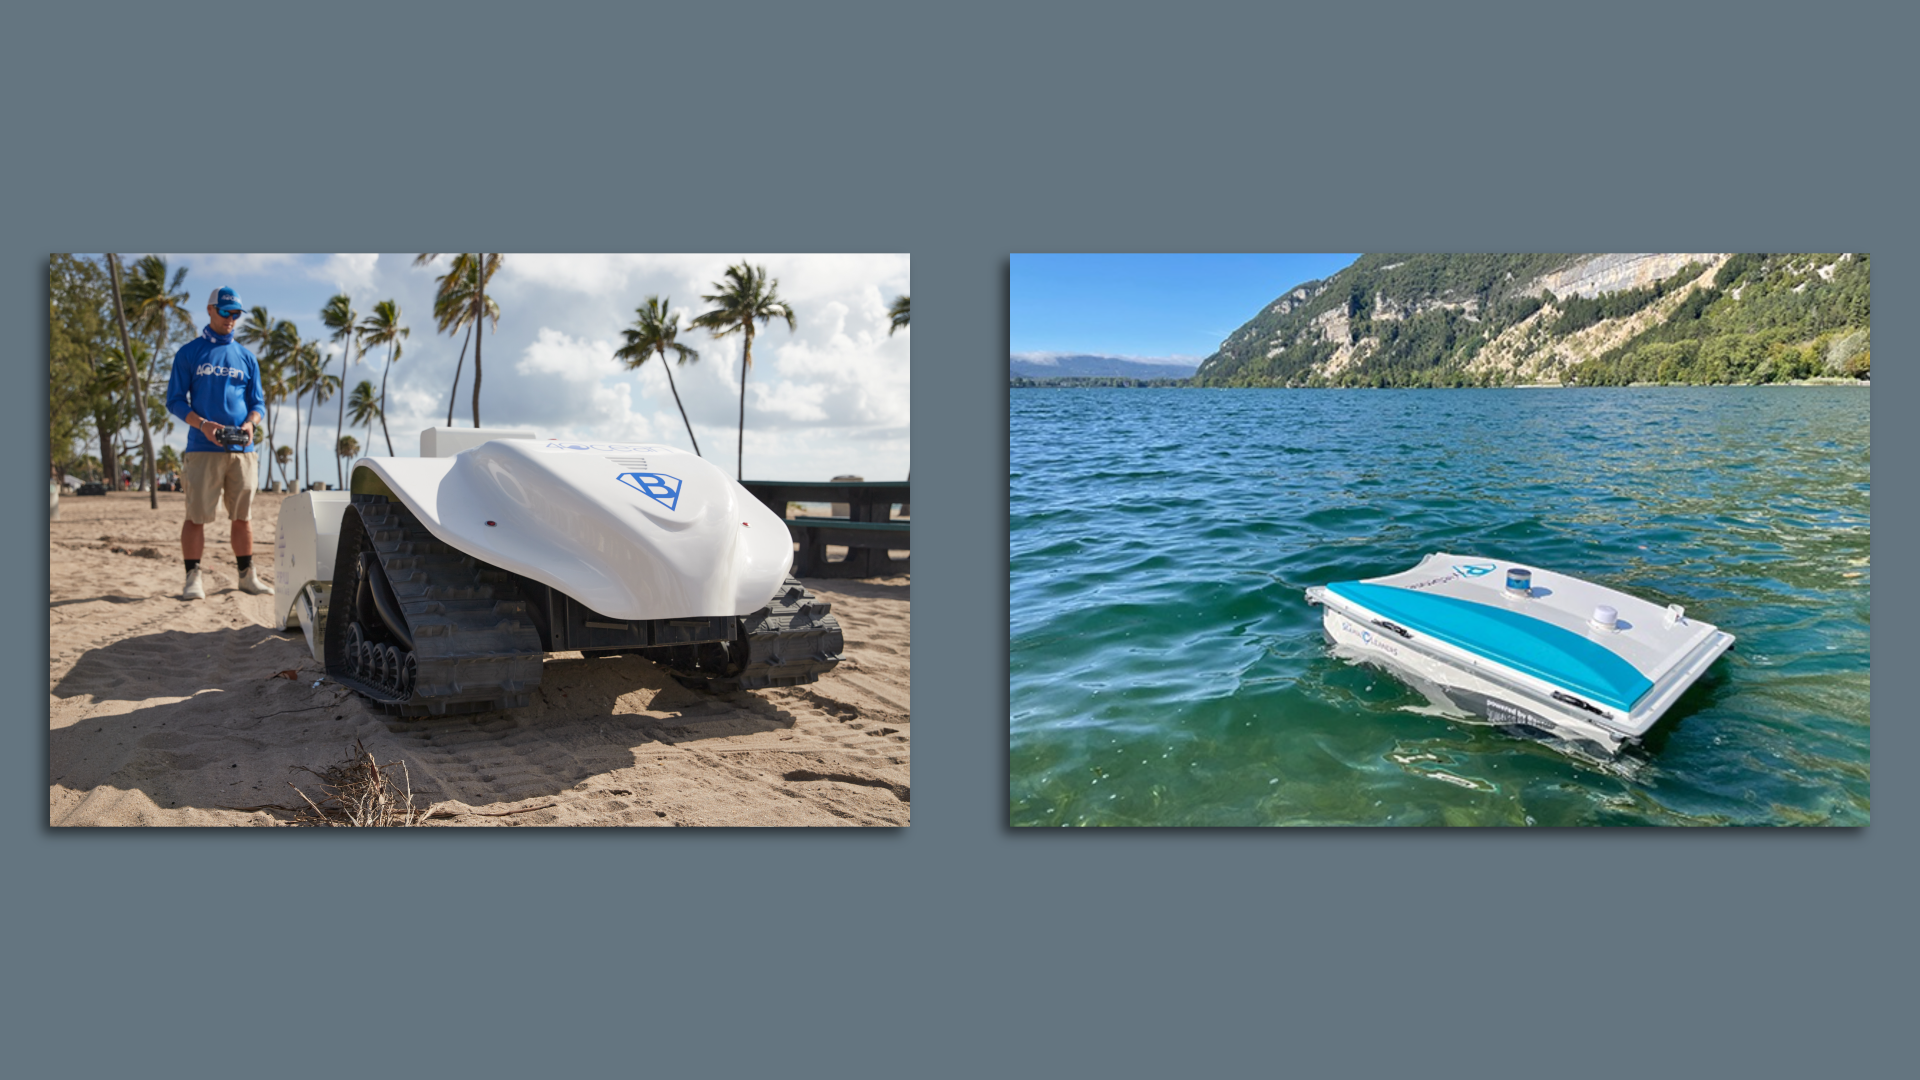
(958, 133)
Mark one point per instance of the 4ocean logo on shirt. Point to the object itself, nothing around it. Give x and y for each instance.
(219, 369)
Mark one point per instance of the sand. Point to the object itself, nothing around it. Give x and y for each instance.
(165, 711)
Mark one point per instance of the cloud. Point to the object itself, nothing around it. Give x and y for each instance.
(554, 354)
(347, 273)
(237, 266)
(594, 398)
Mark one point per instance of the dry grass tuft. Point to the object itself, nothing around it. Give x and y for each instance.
(359, 791)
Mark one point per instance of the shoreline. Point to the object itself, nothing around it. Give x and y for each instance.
(1832, 381)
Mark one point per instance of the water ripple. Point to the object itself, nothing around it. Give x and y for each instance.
(1165, 669)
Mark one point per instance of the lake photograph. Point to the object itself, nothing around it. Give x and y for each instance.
(1419, 539)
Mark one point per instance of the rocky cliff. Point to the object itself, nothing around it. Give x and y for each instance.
(1481, 320)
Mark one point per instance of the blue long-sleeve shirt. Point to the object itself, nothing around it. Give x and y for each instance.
(218, 378)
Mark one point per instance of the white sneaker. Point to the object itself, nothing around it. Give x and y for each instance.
(250, 582)
(194, 590)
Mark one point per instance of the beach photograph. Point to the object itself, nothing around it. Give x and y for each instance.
(479, 539)
(1439, 540)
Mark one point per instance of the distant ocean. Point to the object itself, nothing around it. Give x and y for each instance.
(1166, 669)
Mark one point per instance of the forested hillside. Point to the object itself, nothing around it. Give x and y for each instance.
(1495, 320)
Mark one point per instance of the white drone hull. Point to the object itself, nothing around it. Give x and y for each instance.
(1532, 658)
(633, 531)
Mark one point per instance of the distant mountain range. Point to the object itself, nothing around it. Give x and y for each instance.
(1056, 366)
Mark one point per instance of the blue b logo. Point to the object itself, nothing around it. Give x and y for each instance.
(659, 487)
(1476, 569)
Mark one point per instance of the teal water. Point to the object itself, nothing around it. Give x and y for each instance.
(1166, 670)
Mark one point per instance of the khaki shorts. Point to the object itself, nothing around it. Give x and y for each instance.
(211, 475)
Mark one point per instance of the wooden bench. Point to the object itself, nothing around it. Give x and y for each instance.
(869, 546)
(867, 532)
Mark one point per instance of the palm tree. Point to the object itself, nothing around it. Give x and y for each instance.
(383, 328)
(365, 408)
(489, 264)
(155, 306)
(169, 462)
(276, 380)
(313, 379)
(746, 297)
(346, 446)
(110, 388)
(283, 455)
(340, 318)
(119, 368)
(303, 367)
(652, 334)
(897, 319)
(273, 342)
(256, 332)
(458, 304)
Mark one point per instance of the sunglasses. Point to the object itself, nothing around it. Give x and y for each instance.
(230, 314)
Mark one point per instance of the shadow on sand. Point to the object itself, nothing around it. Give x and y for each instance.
(227, 731)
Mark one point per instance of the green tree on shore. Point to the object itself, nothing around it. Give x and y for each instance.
(156, 304)
(653, 333)
(339, 317)
(364, 407)
(747, 296)
(383, 328)
(458, 303)
(269, 341)
(84, 382)
(319, 385)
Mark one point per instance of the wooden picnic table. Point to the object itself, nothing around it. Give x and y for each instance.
(868, 530)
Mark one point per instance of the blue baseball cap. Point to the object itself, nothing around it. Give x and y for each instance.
(225, 301)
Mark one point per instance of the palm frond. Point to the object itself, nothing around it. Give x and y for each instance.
(748, 296)
(339, 316)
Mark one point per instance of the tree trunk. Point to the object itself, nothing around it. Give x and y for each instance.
(306, 446)
(340, 425)
(383, 405)
(740, 447)
(106, 447)
(267, 471)
(296, 438)
(139, 399)
(683, 408)
(100, 421)
(153, 475)
(267, 462)
(454, 395)
(480, 286)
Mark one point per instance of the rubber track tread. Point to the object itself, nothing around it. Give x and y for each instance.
(475, 645)
(792, 641)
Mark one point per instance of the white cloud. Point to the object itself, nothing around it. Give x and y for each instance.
(210, 267)
(553, 353)
(347, 273)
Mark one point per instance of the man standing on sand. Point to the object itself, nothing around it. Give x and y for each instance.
(216, 386)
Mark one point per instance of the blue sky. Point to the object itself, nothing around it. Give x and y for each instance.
(1147, 306)
(827, 398)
